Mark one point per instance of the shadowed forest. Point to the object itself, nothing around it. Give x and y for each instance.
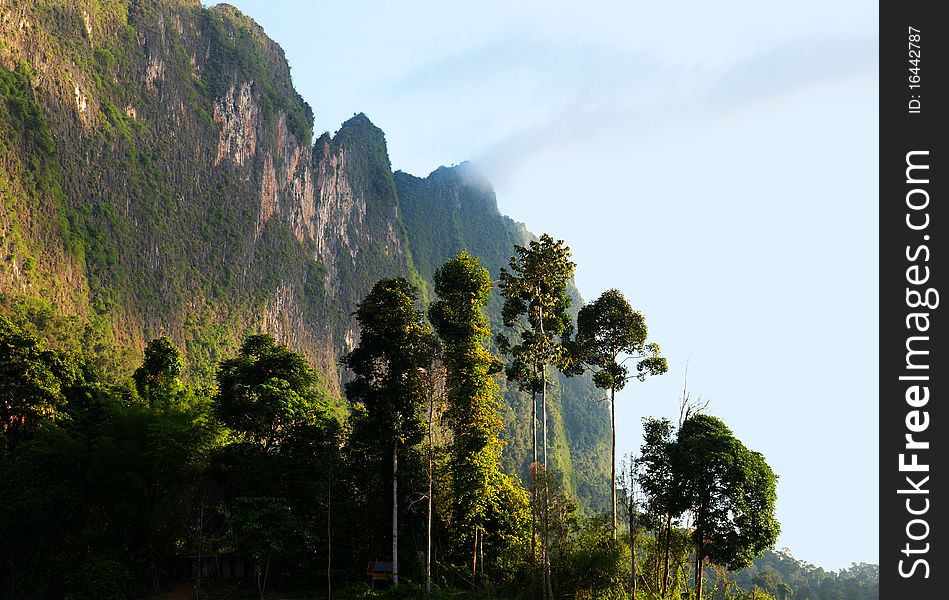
(263, 484)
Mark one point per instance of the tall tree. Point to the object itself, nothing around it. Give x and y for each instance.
(309, 473)
(390, 367)
(473, 412)
(610, 333)
(629, 486)
(278, 473)
(534, 288)
(730, 492)
(436, 393)
(658, 481)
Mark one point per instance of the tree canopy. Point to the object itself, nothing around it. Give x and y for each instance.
(730, 492)
(607, 328)
(158, 378)
(389, 365)
(534, 288)
(473, 412)
(265, 390)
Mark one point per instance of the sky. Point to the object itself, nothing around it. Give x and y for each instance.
(717, 162)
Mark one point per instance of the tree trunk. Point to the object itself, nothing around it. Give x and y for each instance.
(543, 403)
(262, 578)
(548, 578)
(699, 564)
(395, 513)
(632, 556)
(658, 571)
(474, 560)
(481, 552)
(428, 546)
(329, 537)
(543, 389)
(534, 417)
(613, 456)
(665, 568)
(534, 487)
(546, 520)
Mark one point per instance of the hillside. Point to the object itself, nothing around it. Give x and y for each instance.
(160, 175)
(782, 576)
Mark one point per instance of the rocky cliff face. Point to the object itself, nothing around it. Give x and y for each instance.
(184, 195)
(158, 175)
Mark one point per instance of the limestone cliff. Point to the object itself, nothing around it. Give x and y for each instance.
(159, 175)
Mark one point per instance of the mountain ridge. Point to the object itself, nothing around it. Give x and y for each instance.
(160, 176)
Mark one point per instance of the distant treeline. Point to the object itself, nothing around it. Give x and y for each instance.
(786, 578)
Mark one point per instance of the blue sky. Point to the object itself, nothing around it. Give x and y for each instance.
(715, 161)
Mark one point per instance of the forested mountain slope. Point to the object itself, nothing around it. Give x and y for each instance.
(159, 175)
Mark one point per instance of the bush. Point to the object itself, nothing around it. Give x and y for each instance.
(594, 565)
(104, 580)
(412, 591)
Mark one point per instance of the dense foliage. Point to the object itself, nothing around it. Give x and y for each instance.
(478, 487)
(131, 488)
(124, 489)
(707, 478)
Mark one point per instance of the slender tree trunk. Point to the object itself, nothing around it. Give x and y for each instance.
(197, 589)
(548, 578)
(543, 403)
(428, 546)
(543, 388)
(262, 581)
(534, 488)
(545, 539)
(699, 564)
(632, 558)
(544, 559)
(658, 570)
(665, 568)
(481, 551)
(534, 416)
(395, 513)
(329, 536)
(613, 456)
(474, 560)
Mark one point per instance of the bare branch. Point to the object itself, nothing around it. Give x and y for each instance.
(687, 407)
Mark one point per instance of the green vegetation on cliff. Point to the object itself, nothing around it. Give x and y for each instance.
(158, 178)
